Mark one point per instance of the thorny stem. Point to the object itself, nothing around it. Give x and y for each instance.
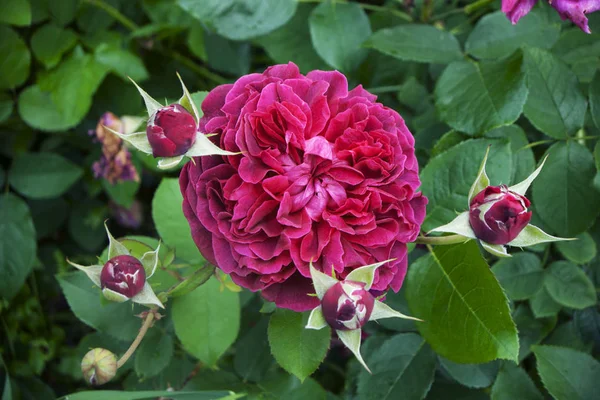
(441, 240)
(138, 339)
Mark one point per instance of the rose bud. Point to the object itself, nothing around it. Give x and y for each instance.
(347, 305)
(171, 131)
(99, 366)
(497, 215)
(124, 275)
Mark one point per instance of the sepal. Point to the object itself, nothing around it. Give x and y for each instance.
(139, 140)
(115, 248)
(496, 249)
(382, 310)
(366, 274)
(316, 319)
(204, 147)
(111, 295)
(521, 187)
(459, 225)
(150, 261)
(533, 235)
(351, 340)
(187, 102)
(321, 281)
(482, 181)
(169, 162)
(93, 271)
(147, 297)
(152, 106)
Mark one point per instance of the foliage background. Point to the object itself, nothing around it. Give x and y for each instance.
(460, 74)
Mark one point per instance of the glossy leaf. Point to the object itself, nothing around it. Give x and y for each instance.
(465, 312)
(569, 286)
(14, 68)
(520, 276)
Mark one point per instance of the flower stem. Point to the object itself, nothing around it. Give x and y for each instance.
(115, 13)
(441, 240)
(138, 339)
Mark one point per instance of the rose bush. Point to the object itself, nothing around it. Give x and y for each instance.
(327, 175)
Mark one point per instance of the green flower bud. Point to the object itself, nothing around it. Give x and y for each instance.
(99, 366)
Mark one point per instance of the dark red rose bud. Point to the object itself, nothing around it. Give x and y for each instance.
(124, 275)
(498, 215)
(347, 305)
(171, 131)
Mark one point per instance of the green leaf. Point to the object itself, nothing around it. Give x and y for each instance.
(147, 395)
(494, 37)
(580, 251)
(154, 354)
(62, 97)
(413, 42)
(471, 375)
(575, 46)
(207, 321)
(43, 175)
(563, 194)
(86, 302)
(447, 178)
(48, 215)
(63, 12)
(237, 20)
(403, 367)
(292, 42)
(14, 68)
(595, 104)
(297, 350)
(122, 193)
(252, 357)
(569, 286)
(85, 224)
(521, 275)
(339, 46)
(226, 55)
(6, 106)
(555, 104)
(17, 244)
(50, 42)
(16, 12)
(465, 312)
(543, 305)
(531, 330)
(523, 160)
(476, 97)
(170, 222)
(514, 383)
(122, 62)
(195, 41)
(568, 374)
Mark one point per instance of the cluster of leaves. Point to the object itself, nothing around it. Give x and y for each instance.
(462, 77)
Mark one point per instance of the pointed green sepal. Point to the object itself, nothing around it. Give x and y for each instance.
(204, 147)
(351, 340)
(482, 181)
(533, 235)
(459, 225)
(322, 282)
(316, 319)
(169, 162)
(382, 310)
(147, 297)
(151, 105)
(366, 274)
(150, 261)
(115, 248)
(187, 102)
(93, 271)
(111, 295)
(139, 140)
(521, 187)
(131, 123)
(496, 249)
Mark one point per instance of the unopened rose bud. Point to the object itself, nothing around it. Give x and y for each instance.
(99, 366)
(347, 305)
(124, 275)
(498, 215)
(171, 131)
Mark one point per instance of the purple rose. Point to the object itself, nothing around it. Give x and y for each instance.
(124, 275)
(515, 9)
(171, 131)
(498, 215)
(575, 10)
(347, 305)
(326, 175)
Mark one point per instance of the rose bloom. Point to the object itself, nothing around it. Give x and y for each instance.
(326, 175)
